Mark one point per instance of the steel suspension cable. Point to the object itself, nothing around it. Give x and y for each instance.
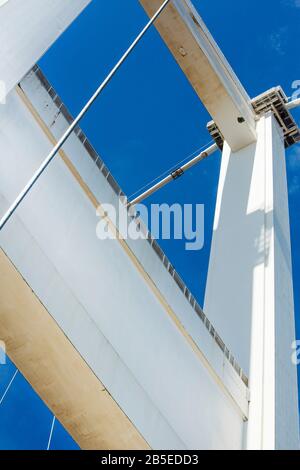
(51, 433)
(8, 387)
(76, 121)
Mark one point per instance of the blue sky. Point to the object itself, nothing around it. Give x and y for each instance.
(146, 121)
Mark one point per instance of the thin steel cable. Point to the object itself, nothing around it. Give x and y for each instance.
(8, 387)
(174, 167)
(76, 121)
(51, 433)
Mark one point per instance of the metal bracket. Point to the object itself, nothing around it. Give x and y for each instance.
(177, 173)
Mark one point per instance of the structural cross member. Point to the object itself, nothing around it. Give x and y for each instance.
(273, 100)
(209, 73)
(174, 175)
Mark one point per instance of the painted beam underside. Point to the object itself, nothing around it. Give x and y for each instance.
(206, 68)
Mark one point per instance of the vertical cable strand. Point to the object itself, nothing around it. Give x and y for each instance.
(51, 433)
(8, 387)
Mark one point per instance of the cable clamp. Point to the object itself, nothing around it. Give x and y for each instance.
(177, 173)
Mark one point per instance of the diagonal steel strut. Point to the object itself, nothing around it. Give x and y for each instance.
(174, 175)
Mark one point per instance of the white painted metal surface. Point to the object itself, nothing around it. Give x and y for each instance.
(209, 72)
(175, 397)
(48, 159)
(293, 104)
(249, 292)
(27, 29)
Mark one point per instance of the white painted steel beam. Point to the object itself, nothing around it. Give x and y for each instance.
(27, 29)
(82, 317)
(208, 71)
